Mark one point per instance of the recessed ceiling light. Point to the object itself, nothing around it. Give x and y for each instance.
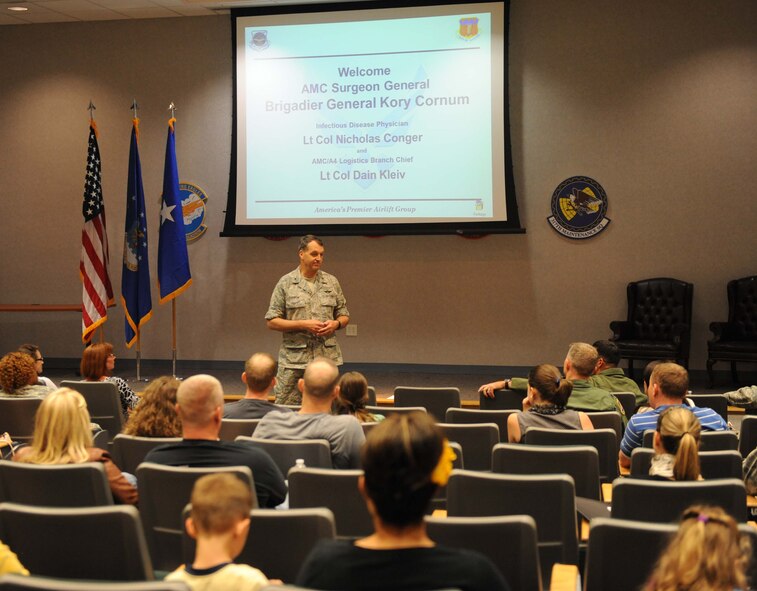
(18, 8)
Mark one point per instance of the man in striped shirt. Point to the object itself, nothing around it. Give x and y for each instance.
(667, 387)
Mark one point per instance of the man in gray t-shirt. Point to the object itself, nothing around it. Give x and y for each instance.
(319, 387)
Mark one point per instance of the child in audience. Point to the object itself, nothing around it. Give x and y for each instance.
(219, 522)
(707, 554)
(676, 445)
(405, 458)
(353, 397)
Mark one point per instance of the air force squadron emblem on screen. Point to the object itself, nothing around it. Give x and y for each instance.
(259, 40)
(579, 205)
(469, 28)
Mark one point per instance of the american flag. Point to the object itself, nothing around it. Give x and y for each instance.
(97, 291)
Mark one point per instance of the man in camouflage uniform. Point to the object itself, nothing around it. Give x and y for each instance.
(308, 306)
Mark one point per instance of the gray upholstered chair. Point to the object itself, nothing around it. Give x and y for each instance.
(712, 464)
(17, 417)
(129, 451)
(78, 543)
(580, 462)
(103, 403)
(477, 441)
(466, 416)
(233, 428)
(315, 452)
(60, 485)
(604, 440)
(436, 401)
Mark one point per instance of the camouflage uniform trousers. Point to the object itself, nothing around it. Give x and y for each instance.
(285, 390)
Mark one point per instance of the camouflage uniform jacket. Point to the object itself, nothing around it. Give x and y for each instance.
(292, 299)
(615, 380)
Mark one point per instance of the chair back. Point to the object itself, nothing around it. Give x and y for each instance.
(77, 543)
(742, 307)
(549, 500)
(368, 426)
(285, 453)
(712, 464)
(233, 428)
(627, 401)
(336, 490)
(436, 401)
(129, 451)
(510, 542)
(164, 491)
(709, 440)
(748, 435)
(24, 583)
(580, 462)
(716, 402)
(608, 419)
(296, 530)
(371, 396)
(664, 501)
(477, 441)
(17, 417)
(439, 500)
(656, 306)
(621, 554)
(503, 400)
(388, 411)
(603, 440)
(103, 403)
(60, 485)
(466, 416)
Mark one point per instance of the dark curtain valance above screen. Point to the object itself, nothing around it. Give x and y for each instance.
(371, 118)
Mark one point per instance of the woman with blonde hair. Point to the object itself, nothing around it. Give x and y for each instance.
(404, 458)
(155, 413)
(707, 554)
(62, 435)
(97, 363)
(353, 397)
(676, 445)
(18, 377)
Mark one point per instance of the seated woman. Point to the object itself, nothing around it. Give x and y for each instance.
(97, 363)
(18, 378)
(62, 435)
(708, 553)
(39, 364)
(676, 445)
(353, 397)
(544, 405)
(404, 459)
(155, 413)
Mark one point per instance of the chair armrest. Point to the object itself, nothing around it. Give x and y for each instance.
(564, 577)
(722, 331)
(621, 329)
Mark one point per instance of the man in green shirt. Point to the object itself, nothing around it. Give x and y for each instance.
(610, 377)
(578, 368)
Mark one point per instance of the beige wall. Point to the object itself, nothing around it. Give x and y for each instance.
(655, 100)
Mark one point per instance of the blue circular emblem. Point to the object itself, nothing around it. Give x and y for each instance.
(193, 200)
(579, 205)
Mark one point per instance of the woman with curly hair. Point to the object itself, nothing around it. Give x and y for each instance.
(353, 397)
(18, 377)
(62, 435)
(405, 458)
(97, 363)
(707, 554)
(155, 414)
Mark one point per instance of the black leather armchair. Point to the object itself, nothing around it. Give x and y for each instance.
(659, 321)
(735, 340)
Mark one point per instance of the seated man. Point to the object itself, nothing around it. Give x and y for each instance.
(668, 385)
(259, 377)
(610, 377)
(319, 387)
(578, 366)
(199, 401)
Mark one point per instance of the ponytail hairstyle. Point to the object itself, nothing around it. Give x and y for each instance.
(550, 385)
(400, 458)
(708, 553)
(353, 396)
(680, 433)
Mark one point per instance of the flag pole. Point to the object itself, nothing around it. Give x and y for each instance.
(173, 335)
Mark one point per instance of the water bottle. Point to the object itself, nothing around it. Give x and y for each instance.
(299, 463)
